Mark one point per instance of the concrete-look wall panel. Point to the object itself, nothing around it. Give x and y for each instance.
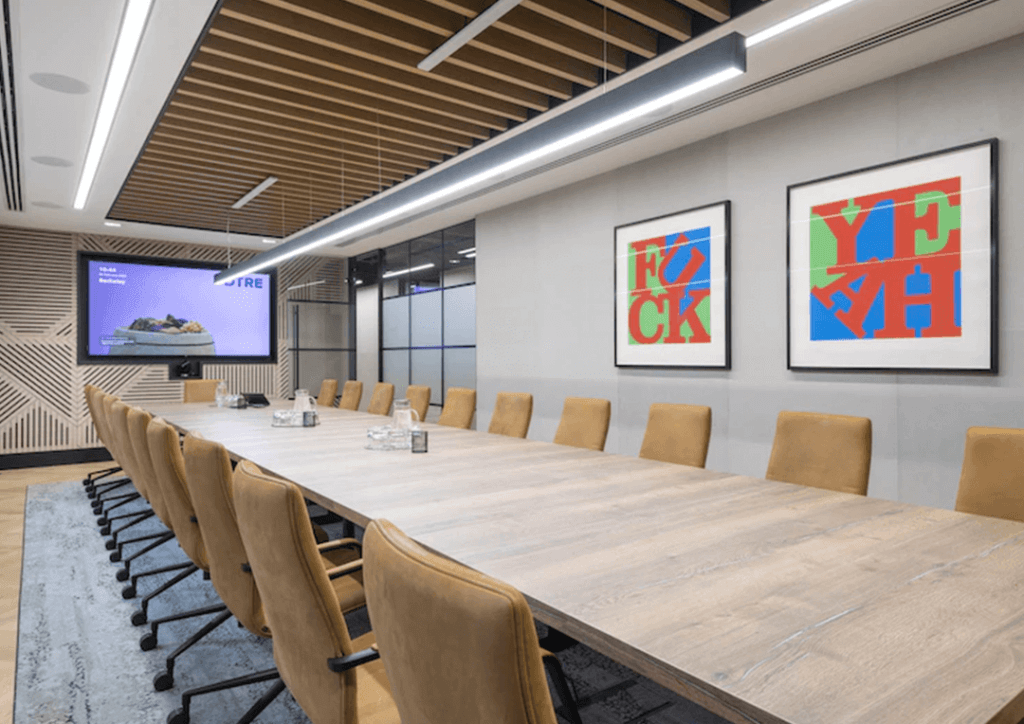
(544, 299)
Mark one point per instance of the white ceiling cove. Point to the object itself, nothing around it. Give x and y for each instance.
(75, 39)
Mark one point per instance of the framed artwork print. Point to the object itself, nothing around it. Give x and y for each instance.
(893, 268)
(672, 290)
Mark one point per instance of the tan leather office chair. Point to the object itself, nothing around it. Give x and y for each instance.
(351, 394)
(419, 399)
(96, 484)
(201, 390)
(677, 434)
(584, 423)
(312, 647)
(822, 451)
(459, 408)
(328, 391)
(458, 646)
(138, 434)
(380, 401)
(512, 413)
(992, 477)
(208, 477)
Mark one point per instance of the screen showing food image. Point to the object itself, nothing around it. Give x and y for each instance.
(154, 310)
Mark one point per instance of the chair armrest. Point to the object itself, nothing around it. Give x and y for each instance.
(343, 664)
(332, 545)
(345, 570)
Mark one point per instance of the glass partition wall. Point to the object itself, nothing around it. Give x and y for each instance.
(428, 313)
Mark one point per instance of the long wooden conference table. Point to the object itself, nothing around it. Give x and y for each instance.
(761, 601)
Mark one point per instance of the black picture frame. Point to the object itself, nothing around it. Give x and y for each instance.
(717, 216)
(974, 353)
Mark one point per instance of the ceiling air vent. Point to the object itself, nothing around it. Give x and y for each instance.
(10, 158)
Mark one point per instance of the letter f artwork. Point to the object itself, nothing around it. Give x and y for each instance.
(669, 290)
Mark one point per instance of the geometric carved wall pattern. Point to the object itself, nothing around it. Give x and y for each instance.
(41, 403)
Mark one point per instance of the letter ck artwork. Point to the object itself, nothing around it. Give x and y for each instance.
(887, 265)
(670, 289)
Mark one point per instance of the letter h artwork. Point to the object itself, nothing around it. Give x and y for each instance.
(894, 268)
(887, 265)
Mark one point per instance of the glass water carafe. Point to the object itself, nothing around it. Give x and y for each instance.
(404, 418)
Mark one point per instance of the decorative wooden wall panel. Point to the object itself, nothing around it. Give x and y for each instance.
(41, 402)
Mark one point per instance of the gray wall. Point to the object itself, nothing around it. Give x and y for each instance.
(544, 272)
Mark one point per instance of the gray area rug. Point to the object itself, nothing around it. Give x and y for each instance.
(79, 659)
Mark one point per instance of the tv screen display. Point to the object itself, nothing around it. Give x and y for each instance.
(149, 310)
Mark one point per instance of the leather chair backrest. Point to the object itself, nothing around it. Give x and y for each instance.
(328, 391)
(351, 395)
(123, 452)
(822, 451)
(380, 401)
(209, 479)
(584, 423)
(169, 471)
(298, 601)
(458, 646)
(93, 402)
(419, 399)
(512, 413)
(677, 434)
(201, 390)
(138, 427)
(459, 408)
(992, 478)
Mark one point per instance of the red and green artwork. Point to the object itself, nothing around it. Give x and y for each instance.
(669, 289)
(887, 265)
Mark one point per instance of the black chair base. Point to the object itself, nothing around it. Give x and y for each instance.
(183, 715)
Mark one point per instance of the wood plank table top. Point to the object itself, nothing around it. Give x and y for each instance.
(762, 601)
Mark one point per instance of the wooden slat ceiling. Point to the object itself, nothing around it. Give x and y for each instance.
(326, 96)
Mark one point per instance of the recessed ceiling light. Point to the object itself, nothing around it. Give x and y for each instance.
(112, 223)
(128, 39)
(421, 267)
(59, 83)
(53, 161)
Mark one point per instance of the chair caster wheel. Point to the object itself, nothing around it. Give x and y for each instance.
(111, 545)
(115, 557)
(105, 530)
(148, 643)
(122, 574)
(178, 716)
(91, 493)
(97, 508)
(163, 681)
(102, 521)
(139, 618)
(128, 592)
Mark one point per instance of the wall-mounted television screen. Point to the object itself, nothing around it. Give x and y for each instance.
(146, 310)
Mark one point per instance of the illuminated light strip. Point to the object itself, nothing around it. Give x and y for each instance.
(805, 17)
(307, 284)
(132, 26)
(476, 26)
(470, 250)
(725, 47)
(471, 256)
(421, 267)
(256, 191)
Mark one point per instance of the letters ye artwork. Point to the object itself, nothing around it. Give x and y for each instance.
(894, 267)
(672, 289)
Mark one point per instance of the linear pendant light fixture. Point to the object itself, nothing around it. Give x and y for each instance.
(799, 19)
(256, 191)
(133, 23)
(675, 81)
